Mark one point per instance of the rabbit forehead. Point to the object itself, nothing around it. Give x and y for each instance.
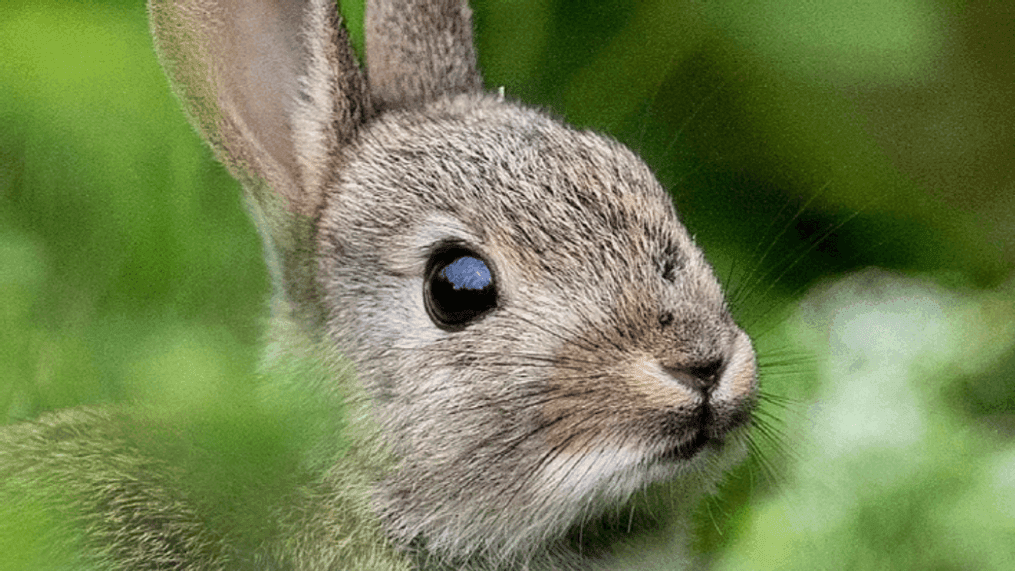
(543, 194)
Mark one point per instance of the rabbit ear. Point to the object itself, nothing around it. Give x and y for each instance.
(275, 89)
(271, 84)
(417, 50)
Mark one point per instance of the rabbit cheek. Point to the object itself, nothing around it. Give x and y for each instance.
(628, 422)
(630, 405)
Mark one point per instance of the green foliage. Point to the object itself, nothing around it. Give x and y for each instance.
(33, 537)
(121, 230)
(888, 473)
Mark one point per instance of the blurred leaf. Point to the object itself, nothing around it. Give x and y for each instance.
(885, 472)
(846, 41)
(120, 198)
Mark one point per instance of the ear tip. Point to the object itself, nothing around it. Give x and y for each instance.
(417, 50)
(238, 65)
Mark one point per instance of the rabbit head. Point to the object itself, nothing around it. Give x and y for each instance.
(536, 335)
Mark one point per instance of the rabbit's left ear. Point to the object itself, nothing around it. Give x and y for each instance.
(418, 50)
(272, 85)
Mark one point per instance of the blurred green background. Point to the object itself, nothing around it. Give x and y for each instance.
(802, 141)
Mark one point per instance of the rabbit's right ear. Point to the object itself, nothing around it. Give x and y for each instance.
(272, 85)
(418, 50)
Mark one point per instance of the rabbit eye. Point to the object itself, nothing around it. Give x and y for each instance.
(458, 289)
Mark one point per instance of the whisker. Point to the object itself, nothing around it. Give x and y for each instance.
(552, 360)
(516, 400)
(556, 451)
(758, 276)
(811, 248)
(575, 337)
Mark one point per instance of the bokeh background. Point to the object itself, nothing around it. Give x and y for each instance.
(805, 144)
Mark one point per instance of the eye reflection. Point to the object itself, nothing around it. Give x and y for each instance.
(467, 272)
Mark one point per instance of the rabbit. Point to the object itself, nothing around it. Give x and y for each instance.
(508, 350)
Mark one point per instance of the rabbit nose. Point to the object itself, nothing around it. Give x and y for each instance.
(701, 378)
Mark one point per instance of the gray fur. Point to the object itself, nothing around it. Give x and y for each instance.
(407, 67)
(497, 446)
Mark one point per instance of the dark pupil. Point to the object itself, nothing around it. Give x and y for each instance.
(459, 289)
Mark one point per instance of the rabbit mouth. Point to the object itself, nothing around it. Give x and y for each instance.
(703, 431)
(690, 448)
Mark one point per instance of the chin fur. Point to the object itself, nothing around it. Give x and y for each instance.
(591, 510)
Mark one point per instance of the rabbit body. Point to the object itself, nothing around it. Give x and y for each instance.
(568, 415)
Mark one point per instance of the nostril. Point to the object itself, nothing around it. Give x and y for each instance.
(702, 378)
(710, 371)
(666, 318)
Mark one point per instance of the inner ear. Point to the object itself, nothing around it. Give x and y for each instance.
(259, 74)
(271, 84)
